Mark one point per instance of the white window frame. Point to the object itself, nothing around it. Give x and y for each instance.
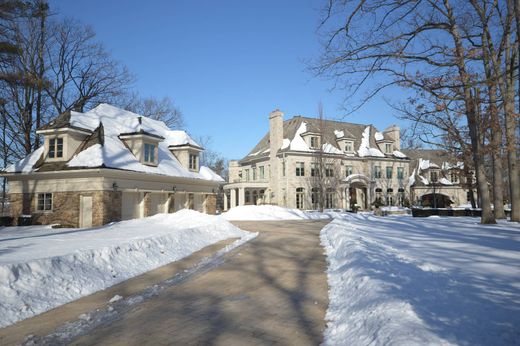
(149, 156)
(193, 161)
(55, 148)
(45, 197)
(300, 169)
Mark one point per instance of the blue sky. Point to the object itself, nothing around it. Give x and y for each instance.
(226, 64)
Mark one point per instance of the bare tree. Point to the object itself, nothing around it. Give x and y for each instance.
(159, 109)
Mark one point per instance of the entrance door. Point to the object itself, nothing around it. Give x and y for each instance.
(85, 214)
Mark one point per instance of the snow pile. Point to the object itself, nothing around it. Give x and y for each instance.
(379, 136)
(445, 181)
(298, 143)
(426, 164)
(399, 154)
(208, 174)
(364, 147)
(41, 268)
(408, 281)
(330, 149)
(270, 212)
(411, 179)
(286, 143)
(26, 164)
(339, 133)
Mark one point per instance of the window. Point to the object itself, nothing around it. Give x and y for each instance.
(254, 173)
(247, 174)
(348, 147)
(300, 196)
(400, 173)
(315, 198)
(389, 172)
(400, 197)
(348, 171)
(315, 172)
(149, 154)
(247, 197)
(193, 162)
(55, 148)
(388, 148)
(329, 199)
(315, 142)
(454, 177)
(44, 202)
(191, 201)
(377, 172)
(261, 172)
(329, 170)
(283, 168)
(300, 169)
(434, 176)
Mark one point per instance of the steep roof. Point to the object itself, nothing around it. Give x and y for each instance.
(331, 131)
(424, 159)
(104, 148)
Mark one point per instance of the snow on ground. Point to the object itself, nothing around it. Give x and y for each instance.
(416, 281)
(41, 267)
(270, 212)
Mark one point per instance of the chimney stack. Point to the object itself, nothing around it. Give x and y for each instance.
(275, 143)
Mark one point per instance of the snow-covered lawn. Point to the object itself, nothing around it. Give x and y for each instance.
(402, 280)
(41, 267)
(270, 212)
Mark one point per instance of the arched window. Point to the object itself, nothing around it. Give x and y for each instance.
(389, 197)
(400, 197)
(300, 197)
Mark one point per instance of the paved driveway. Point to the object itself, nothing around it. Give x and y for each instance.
(272, 290)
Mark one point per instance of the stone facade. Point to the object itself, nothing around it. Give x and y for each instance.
(211, 204)
(106, 207)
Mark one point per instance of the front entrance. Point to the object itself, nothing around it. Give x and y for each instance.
(85, 211)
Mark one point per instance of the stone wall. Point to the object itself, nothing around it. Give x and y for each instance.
(211, 204)
(106, 207)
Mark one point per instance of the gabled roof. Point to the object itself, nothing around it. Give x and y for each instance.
(104, 148)
(426, 159)
(333, 131)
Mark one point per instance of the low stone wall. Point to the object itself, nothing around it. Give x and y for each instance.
(106, 207)
(419, 212)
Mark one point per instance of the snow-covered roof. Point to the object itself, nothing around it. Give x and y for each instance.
(113, 153)
(365, 149)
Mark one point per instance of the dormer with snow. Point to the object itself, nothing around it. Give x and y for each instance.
(143, 144)
(186, 150)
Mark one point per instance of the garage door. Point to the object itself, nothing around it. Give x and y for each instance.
(157, 203)
(131, 205)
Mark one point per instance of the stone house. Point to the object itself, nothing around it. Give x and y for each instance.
(107, 165)
(365, 164)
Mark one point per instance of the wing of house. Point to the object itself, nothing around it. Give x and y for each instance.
(109, 164)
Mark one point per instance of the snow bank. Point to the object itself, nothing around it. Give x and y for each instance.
(298, 143)
(364, 147)
(41, 268)
(270, 212)
(406, 281)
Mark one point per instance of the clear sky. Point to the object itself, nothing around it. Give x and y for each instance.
(226, 64)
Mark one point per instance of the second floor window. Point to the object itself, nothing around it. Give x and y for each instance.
(300, 169)
(254, 173)
(315, 172)
(377, 172)
(149, 153)
(55, 148)
(193, 162)
(348, 171)
(261, 172)
(400, 173)
(247, 175)
(329, 170)
(434, 176)
(389, 172)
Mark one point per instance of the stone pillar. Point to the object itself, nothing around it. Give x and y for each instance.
(233, 195)
(241, 196)
(147, 199)
(225, 200)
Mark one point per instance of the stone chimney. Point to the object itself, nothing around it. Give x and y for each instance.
(394, 133)
(275, 143)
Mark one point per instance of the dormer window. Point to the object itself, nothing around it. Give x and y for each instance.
(349, 147)
(388, 148)
(149, 153)
(193, 162)
(56, 147)
(315, 142)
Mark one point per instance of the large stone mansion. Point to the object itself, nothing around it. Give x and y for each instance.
(362, 166)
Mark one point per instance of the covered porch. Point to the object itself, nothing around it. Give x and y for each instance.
(251, 193)
(357, 188)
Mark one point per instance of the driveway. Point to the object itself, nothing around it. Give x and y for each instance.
(272, 290)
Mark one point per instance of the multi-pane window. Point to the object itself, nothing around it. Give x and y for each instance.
(377, 172)
(400, 172)
(55, 148)
(44, 202)
(389, 172)
(348, 147)
(388, 148)
(149, 154)
(389, 197)
(254, 173)
(329, 170)
(300, 169)
(348, 171)
(300, 197)
(454, 177)
(329, 199)
(315, 172)
(193, 161)
(434, 176)
(315, 197)
(247, 175)
(315, 142)
(261, 172)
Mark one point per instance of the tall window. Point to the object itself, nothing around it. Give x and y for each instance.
(247, 197)
(149, 154)
(300, 169)
(247, 174)
(315, 172)
(389, 197)
(389, 172)
(348, 147)
(400, 173)
(377, 172)
(261, 172)
(400, 197)
(44, 202)
(348, 171)
(329, 170)
(315, 198)
(454, 177)
(388, 148)
(329, 199)
(434, 176)
(300, 197)
(254, 173)
(315, 142)
(55, 148)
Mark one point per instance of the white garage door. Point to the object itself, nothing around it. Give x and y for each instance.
(131, 206)
(157, 203)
